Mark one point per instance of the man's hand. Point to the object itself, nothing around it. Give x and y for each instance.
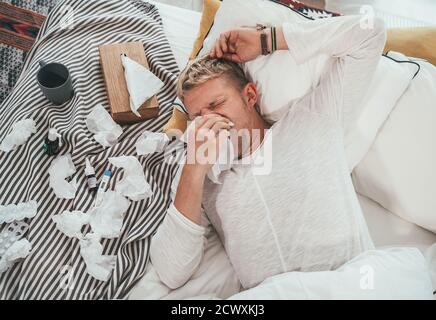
(204, 140)
(203, 135)
(243, 44)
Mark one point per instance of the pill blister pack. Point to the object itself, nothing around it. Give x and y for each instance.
(14, 232)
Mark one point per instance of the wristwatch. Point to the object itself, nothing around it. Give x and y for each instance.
(264, 41)
(264, 38)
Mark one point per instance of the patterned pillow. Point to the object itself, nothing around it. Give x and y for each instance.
(306, 10)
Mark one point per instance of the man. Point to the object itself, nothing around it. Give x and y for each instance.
(304, 214)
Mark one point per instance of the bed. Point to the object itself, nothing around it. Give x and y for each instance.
(387, 229)
(55, 270)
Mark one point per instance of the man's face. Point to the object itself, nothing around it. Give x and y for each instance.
(223, 97)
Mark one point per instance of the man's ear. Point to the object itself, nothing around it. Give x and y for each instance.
(250, 94)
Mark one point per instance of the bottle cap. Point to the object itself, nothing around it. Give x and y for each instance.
(53, 135)
(89, 170)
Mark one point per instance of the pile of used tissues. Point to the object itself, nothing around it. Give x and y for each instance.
(104, 220)
(12, 244)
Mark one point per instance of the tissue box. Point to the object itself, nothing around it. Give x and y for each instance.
(116, 86)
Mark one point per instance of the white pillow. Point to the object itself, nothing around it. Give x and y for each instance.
(399, 171)
(391, 79)
(388, 85)
(298, 79)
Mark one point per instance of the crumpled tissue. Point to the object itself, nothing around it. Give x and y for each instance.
(21, 131)
(71, 222)
(104, 128)
(133, 185)
(106, 221)
(141, 83)
(97, 265)
(150, 142)
(15, 212)
(60, 168)
(18, 250)
(226, 156)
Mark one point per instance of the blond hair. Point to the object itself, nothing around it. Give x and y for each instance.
(205, 68)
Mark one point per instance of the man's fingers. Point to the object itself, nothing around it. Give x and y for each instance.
(223, 43)
(232, 57)
(226, 43)
(218, 126)
(214, 132)
(218, 50)
(212, 120)
(199, 122)
(212, 53)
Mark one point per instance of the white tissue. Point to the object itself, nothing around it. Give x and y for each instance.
(150, 142)
(60, 168)
(18, 250)
(97, 265)
(106, 220)
(21, 131)
(225, 159)
(71, 222)
(133, 185)
(141, 83)
(224, 162)
(16, 212)
(104, 128)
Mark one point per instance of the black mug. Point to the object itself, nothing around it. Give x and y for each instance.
(54, 79)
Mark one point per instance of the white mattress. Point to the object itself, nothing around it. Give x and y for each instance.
(215, 278)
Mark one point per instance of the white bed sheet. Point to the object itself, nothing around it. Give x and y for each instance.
(215, 277)
(181, 28)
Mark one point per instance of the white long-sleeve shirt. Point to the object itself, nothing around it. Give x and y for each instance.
(304, 214)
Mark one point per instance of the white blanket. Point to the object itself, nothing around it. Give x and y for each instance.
(397, 273)
(393, 274)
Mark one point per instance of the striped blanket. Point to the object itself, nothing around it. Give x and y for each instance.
(71, 35)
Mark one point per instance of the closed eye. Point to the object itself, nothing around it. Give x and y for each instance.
(216, 104)
(211, 106)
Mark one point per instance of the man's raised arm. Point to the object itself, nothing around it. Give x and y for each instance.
(355, 49)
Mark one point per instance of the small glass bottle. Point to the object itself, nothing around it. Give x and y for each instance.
(90, 175)
(52, 143)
